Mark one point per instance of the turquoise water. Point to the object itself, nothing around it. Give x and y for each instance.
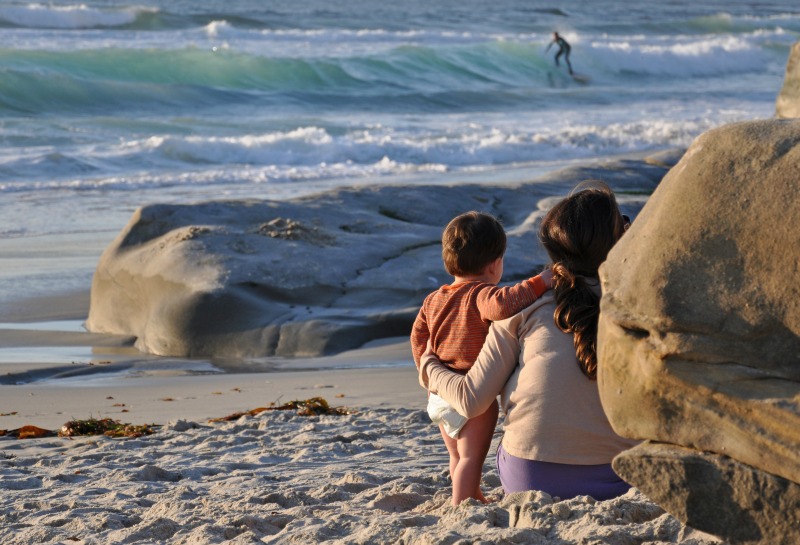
(108, 105)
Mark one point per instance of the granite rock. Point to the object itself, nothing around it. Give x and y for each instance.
(314, 275)
(788, 103)
(715, 494)
(699, 333)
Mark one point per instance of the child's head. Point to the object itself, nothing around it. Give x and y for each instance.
(470, 242)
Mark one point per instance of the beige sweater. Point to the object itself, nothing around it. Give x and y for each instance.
(553, 411)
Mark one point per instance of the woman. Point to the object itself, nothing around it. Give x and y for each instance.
(543, 363)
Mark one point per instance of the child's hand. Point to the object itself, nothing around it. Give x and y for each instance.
(547, 277)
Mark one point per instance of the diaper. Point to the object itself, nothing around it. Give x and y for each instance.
(442, 413)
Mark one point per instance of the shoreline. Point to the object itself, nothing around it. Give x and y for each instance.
(161, 399)
(91, 375)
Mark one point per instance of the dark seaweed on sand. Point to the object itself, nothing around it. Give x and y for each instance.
(104, 426)
(304, 407)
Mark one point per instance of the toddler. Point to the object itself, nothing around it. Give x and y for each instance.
(455, 320)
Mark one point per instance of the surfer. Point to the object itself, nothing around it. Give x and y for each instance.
(563, 49)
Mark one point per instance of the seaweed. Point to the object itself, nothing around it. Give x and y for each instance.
(104, 426)
(305, 407)
(28, 432)
(314, 406)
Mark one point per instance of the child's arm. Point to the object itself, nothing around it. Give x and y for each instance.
(496, 303)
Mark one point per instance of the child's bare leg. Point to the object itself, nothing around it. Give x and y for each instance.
(452, 449)
(473, 445)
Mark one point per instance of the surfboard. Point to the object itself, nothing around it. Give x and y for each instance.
(581, 78)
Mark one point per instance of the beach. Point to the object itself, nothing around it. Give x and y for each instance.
(109, 107)
(377, 474)
(232, 458)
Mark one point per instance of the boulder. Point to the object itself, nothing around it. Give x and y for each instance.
(788, 103)
(314, 275)
(699, 333)
(715, 494)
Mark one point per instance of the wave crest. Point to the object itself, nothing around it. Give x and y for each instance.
(70, 17)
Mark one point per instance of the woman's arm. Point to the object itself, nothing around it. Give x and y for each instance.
(471, 394)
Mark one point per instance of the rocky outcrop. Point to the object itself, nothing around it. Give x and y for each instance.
(699, 335)
(736, 502)
(788, 103)
(314, 275)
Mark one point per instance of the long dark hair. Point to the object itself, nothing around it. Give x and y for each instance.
(577, 233)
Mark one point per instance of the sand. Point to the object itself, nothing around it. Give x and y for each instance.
(377, 475)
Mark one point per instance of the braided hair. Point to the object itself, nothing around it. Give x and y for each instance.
(578, 233)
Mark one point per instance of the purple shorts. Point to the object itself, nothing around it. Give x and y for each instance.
(562, 480)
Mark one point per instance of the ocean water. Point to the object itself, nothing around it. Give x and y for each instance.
(107, 105)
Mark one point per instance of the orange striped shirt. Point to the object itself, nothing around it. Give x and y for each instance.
(456, 318)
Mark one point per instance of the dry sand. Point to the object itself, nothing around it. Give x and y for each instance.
(378, 475)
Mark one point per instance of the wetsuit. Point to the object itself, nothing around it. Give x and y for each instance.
(563, 49)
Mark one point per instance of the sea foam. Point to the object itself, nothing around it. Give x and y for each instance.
(69, 17)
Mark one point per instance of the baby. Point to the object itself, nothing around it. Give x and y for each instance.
(455, 320)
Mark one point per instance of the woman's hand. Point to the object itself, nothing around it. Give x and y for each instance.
(429, 350)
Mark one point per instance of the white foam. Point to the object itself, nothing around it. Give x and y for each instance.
(680, 56)
(214, 28)
(314, 152)
(77, 16)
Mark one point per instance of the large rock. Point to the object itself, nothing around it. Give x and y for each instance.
(725, 505)
(314, 275)
(699, 334)
(788, 103)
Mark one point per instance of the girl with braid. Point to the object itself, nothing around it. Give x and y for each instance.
(543, 363)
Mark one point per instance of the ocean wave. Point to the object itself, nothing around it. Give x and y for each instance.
(458, 147)
(314, 153)
(50, 81)
(711, 55)
(72, 17)
(728, 23)
(235, 178)
(462, 76)
(224, 29)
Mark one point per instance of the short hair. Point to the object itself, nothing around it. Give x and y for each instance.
(470, 242)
